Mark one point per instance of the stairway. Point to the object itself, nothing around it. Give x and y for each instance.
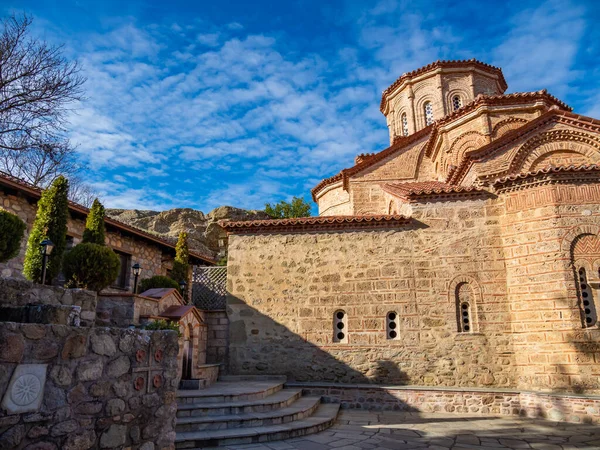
(246, 412)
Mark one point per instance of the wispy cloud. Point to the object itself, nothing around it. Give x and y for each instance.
(190, 112)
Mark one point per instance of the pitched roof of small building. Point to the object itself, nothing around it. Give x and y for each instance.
(160, 293)
(34, 192)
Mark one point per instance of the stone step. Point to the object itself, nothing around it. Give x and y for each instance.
(252, 378)
(230, 391)
(301, 409)
(323, 418)
(280, 399)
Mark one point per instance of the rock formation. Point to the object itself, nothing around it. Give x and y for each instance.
(203, 230)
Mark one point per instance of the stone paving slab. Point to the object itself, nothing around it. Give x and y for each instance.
(357, 430)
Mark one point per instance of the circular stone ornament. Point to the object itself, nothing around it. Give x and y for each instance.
(25, 390)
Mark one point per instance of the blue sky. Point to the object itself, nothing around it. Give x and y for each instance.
(201, 104)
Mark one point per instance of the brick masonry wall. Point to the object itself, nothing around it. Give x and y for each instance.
(551, 346)
(567, 408)
(150, 256)
(90, 397)
(285, 289)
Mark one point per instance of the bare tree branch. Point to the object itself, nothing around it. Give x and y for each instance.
(37, 86)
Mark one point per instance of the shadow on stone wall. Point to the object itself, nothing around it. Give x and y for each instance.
(254, 350)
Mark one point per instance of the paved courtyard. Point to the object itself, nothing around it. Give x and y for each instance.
(356, 430)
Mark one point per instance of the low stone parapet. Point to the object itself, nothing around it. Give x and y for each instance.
(17, 292)
(577, 408)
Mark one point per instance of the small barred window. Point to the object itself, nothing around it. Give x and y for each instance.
(456, 102)
(428, 107)
(465, 317)
(404, 125)
(340, 329)
(392, 325)
(587, 299)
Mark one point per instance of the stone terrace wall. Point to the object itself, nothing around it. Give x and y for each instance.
(105, 388)
(285, 288)
(19, 292)
(217, 325)
(483, 402)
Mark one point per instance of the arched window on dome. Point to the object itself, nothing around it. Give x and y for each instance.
(456, 103)
(428, 109)
(404, 125)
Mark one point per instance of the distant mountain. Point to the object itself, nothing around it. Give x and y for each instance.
(203, 230)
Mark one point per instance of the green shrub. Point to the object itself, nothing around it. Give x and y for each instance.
(163, 324)
(91, 266)
(157, 281)
(94, 224)
(11, 234)
(50, 222)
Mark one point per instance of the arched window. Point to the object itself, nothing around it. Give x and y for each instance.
(340, 328)
(428, 108)
(404, 125)
(392, 325)
(456, 102)
(587, 299)
(464, 303)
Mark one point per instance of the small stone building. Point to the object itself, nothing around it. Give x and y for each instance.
(125, 310)
(464, 254)
(131, 244)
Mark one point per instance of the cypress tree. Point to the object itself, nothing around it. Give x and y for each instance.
(50, 222)
(182, 255)
(94, 225)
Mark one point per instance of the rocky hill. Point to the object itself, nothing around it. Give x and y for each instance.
(203, 230)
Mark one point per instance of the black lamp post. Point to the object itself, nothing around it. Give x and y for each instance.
(182, 285)
(137, 269)
(47, 247)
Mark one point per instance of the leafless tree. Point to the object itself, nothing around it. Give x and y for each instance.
(81, 192)
(37, 86)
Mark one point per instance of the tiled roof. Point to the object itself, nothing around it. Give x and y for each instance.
(412, 191)
(559, 116)
(585, 168)
(432, 131)
(36, 192)
(321, 223)
(444, 64)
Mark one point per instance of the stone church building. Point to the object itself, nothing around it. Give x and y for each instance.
(467, 253)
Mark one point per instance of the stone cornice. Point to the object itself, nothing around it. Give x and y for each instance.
(321, 223)
(550, 175)
(428, 191)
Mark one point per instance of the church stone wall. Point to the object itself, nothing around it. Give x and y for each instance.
(285, 288)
